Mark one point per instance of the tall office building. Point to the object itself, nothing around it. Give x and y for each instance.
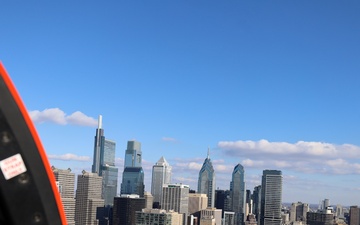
(197, 202)
(354, 214)
(161, 174)
(206, 182)
(237, 191)
(210, 216)
(256, 197)
(271, 195)
(133, 154)
(298, 211)
(158, 216)
(175, 197)
(323, 217)
(104, 164)
(98, 147)
(88, 198)
(133, 175)
(66, 183)
(125, 208)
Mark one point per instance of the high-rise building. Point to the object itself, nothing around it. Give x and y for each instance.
(256, 197)
(229, 218)
(133, 175)
(158, 216)
(206, 182)
(323, 217)
(88, 198)
(104, 164)
(298, 211)
(237, 191)
(161, 174)
(197, 202)
(249, 203)
(354, 214)
(339, 212)
(210, 216)
(149, 199)
(99, 144)
(125, 207)
(133, 154)
(175, 197)
(271, 196)
(66, 183)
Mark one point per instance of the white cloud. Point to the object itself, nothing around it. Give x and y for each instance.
(69, 157)
(298, 149)
(304, 157)
(57, 116)
(169, 139)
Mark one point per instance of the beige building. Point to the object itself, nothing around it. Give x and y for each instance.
(149, 199)
(158, 216)
(210, 216)
(65, 181)
(88, 198)
(197, 202)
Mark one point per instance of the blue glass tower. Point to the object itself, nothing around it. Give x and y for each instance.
(206, 182)
(237, 190)
(104, 164)
(133, 175)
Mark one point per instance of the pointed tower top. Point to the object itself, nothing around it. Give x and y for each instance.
(100, 122)
(208, 153)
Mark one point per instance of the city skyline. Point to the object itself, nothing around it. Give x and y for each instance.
(269, 85)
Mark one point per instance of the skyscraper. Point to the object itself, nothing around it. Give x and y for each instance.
(237, 191)
(206, 182)
(125, 207)
(298, 211)
(175, 197)
(256, 197)
(88, 198)
(161, 174)
(104, 164)
(271, 194)
(98, 147)
(133, 154)
(133, 175)
(66, 182)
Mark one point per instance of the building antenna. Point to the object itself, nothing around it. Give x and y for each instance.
(100, 122)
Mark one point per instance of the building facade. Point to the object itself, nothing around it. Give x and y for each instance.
(237, 191)
(161, 174)
(88, 198)
(175, 197)
(354, 215)
(256, 197)
(158, 217)
(271, 197)
(206, 182)
(298, 211)
(125, 208)
(197, 202)
(104, 164)
(133, 175)
(66, 183)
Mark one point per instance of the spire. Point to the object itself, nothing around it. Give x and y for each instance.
(208, 153)
(100, 122)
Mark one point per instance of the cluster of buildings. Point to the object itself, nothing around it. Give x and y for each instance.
(97, 202)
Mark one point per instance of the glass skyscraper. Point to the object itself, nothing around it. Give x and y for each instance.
(104, 164)
(271, 197)
(206, 182)
(161, 174)
(133, 175)
(237, 191)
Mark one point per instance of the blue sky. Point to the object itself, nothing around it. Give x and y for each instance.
(268, 84)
